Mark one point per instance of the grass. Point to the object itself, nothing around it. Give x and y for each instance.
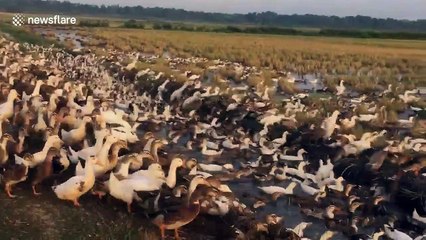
(367, 62)
(23, 35)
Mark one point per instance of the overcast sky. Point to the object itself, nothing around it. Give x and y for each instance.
(401, 9)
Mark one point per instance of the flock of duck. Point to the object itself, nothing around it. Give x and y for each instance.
(182, 152)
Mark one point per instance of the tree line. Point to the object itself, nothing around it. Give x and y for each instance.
(264, 19)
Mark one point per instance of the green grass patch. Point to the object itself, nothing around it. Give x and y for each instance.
(21, 34)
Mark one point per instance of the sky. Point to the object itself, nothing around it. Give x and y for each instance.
(400, 9)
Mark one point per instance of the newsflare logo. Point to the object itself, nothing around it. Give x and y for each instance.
(19, 20)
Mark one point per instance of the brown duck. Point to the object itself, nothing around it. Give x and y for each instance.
(44, 170)
(16, 173)
(185, 214)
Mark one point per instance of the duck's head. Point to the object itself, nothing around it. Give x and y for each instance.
(180, 190)
(273, 219)
(28, 157)
(354, 206)
(104, 106)
(177, 162)
(120, 144)
(197, 180)
(55, 139)
(87, 119)
(148, 135)
(110, 139)
(13, 95)
(190, 163)
(155, 167)
(378, 200)
(93, 160)
(22, 132)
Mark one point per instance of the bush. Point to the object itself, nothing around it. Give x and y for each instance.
(133, 24)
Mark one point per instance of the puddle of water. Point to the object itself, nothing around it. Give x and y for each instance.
(64, 35)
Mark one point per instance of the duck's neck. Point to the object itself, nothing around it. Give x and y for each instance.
(37, 89)
(329, 213)
(40, 116)
(124, 169)
(81, 130)
(171, 177)
(99, 142)
(113, 158)
(89, 173)
(20, 146)
(46, 147)
(4, 143)
(154, 151)
(103, 153)
(377, 235)
(52, 103)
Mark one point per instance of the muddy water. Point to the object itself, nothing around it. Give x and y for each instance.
(247, 190)
(63, 35)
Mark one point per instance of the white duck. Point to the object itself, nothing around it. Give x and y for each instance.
(171, 176)
(276, 189)
(154, 170)
(395, 234)
(280, 141)
(125, 134)
(216, 167)
(407, 98)
(329, 124)
(209, 152)
(417, 217)
(177, 95)
(119, 190)
(76, 135)
(341, 88)
(228, 144)
(89, 107)
(349, 123)
(85, 153)
(78, 185)
(41, 124)
(36, 91)
(52, 141)
(126, 188)
(6, 109)
(404, 122)
(298, 157)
